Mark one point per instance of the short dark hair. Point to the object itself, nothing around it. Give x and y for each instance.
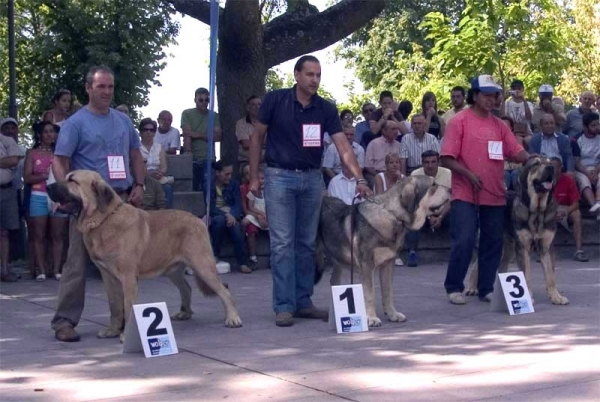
(251, 98)
(405, 108)
(589, 118)
(557, 159)
(220, 165)
(458, 88)
(201, 91)
(429, 153)
(366, 104)
(345, 111)
(89, 77)
(385, 94)
(145, 121)
(304, 59)
(517, 83)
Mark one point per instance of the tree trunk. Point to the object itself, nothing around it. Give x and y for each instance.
(248, 48)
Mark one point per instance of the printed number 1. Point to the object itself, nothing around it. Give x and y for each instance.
(158, 316)
(349, 294)
(516, 282)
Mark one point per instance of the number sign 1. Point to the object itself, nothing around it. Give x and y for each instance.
(514, 292)
(349, 309)
(149, 329)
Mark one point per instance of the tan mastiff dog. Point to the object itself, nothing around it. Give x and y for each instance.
(127, 243)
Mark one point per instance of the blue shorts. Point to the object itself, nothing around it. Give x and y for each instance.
(38, 206)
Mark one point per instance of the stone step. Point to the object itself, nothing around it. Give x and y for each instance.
(182, 185)
(190, 201)
(180, 166)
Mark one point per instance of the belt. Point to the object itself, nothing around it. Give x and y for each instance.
(297, 170)
(6, 185)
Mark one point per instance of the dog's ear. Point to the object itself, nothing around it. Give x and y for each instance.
(409, 195)
(104, 195)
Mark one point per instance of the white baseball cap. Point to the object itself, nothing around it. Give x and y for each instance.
(486, 84)
(546, 90)
(8, 120)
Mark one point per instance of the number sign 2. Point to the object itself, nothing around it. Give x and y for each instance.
(514, 292)
(349, 309)
(149, 329)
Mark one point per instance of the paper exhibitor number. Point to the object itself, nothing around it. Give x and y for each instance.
(349, 296)
(153, 329)
(516, 284)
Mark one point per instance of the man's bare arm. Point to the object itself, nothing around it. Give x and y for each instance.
(61, 165)
(9, 162)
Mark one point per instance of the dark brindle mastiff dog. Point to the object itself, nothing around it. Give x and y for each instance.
(530, 218)
(379, 229)
(127, 243)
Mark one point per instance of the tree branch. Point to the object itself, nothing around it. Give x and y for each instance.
(293, 34)
(198, 9)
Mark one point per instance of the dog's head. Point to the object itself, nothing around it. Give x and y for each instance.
(85, 194)
(423, 197)
(537, 176)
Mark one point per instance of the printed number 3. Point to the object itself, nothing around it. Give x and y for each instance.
(349, 294)
(516, 282)
(158, 316)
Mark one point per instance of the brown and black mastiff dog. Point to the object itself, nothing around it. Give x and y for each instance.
(380, 225)
(127, 243)
(530, 219)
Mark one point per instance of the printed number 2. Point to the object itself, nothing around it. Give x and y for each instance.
(516, 282)
(349, 294)
(158, 316)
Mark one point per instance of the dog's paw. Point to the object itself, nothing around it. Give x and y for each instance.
(471, 292)
(109, 333)
(374, 321)
(182, 316)
(396, 317)
(556, 298)
(233, 322)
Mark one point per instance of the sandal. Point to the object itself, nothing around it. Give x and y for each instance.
(580, 256)
(8, 278)
(40, 278)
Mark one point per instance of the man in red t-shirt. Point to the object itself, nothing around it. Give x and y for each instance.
(475, 146)
(566, 195)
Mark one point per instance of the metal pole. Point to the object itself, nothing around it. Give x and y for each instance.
(214, 31)
(12, 72)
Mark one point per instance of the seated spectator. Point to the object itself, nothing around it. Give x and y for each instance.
(347, 117)
(511, 169)
(38, 163)
(244, 129)
(226, 214)
(256, 218)
(520, 111)
(155, 158)
(154, 195)
(405, 108)
(434, 124)
(588, 164)
(413, 145)
(379, 148)
(443, 177)
(363, 126)
(166, 135)
(62, 105)
(390, 176)
(552, 144)
(343, 187)
(567, 198)
(458, 99)
(388, 111)
(545, 106)
(123, 109)
(332, 164)
(573, 126)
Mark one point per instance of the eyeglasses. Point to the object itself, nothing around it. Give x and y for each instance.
(149, 129)
(200, 100)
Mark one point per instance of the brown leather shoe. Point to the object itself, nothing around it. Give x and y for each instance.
(312, 312)
(285, 319)
(244, 269)
(67, 334)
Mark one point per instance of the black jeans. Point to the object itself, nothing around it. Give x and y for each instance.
(466, 218)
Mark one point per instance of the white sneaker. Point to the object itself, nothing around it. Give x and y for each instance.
(398, 262)
(457, 298)
(595, 207)
(41, 278)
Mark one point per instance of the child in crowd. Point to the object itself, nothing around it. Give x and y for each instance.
(256, 217)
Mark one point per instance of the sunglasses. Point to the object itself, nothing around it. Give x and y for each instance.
(149, 129)
(368, 110)
(203, 100)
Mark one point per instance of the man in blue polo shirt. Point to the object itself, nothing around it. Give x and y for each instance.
(296, 119)
(102, 139)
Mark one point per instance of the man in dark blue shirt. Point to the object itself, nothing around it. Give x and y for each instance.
(296, 120)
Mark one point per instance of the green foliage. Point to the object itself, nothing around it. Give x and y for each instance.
(58, 40)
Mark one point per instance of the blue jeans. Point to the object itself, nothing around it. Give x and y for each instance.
(293, 202)
(168, 189)
(511, 179)
(218, 227)
(465, 219)
(411, 241)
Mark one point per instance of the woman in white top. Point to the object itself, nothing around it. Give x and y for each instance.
(155, 157)
(62, 104)
(391, 176)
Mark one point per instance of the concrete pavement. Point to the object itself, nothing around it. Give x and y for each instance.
(442, 353)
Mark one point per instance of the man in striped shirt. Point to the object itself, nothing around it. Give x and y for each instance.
(414, 144)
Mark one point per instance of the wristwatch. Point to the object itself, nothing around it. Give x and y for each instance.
(361, 181)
